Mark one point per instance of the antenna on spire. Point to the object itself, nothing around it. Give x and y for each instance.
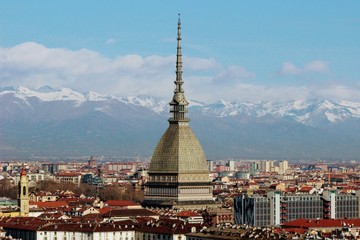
(178, 105)
(178, 81)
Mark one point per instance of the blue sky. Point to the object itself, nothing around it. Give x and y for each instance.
(233, 50)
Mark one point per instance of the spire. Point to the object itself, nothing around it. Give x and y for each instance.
(179, 81)
(23, 171)
(178, 105)
(23, 199)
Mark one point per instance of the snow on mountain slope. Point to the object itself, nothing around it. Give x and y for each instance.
(62, 94)
(307, 112)
(152, 103)
(93, 96)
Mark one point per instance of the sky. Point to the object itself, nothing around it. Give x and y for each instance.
(233, 50)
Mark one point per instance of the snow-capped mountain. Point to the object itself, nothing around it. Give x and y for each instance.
(62, 121)
(45, 94)
(156, 105)
(306, 112)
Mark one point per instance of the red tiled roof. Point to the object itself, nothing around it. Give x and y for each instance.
(187, 214)
(93, 217)
(170, 227)
(104, 210)
(306, 223)
(44, 194)
(51, 215)
(290, 189)
(24, 223)
(306, 189)
(120, 203)
(56, 204)
(129, 213)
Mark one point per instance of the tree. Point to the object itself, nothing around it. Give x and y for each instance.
(121, 192)
(86, 189)
(7, 189)
(110, 193)
(51, 186)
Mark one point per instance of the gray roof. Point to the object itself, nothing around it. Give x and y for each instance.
(179, 151)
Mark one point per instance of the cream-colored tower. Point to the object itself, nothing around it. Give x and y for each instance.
(178, 174)
(283, 166)
(23, 200)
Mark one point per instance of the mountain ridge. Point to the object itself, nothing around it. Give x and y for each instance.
(68, 123)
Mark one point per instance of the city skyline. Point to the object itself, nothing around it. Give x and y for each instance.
(250, 51)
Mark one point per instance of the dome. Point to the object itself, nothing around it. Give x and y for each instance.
(178, 151)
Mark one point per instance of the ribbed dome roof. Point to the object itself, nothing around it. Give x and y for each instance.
(179, 151)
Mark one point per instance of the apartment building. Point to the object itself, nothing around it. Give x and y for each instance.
(277, 207)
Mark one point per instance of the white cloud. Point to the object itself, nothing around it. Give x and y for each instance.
(128, 62)
(203, 88)
(34, 65)
(338, 91)
(110, 41)
(289, 68)
(317, 66)
(232, 74)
